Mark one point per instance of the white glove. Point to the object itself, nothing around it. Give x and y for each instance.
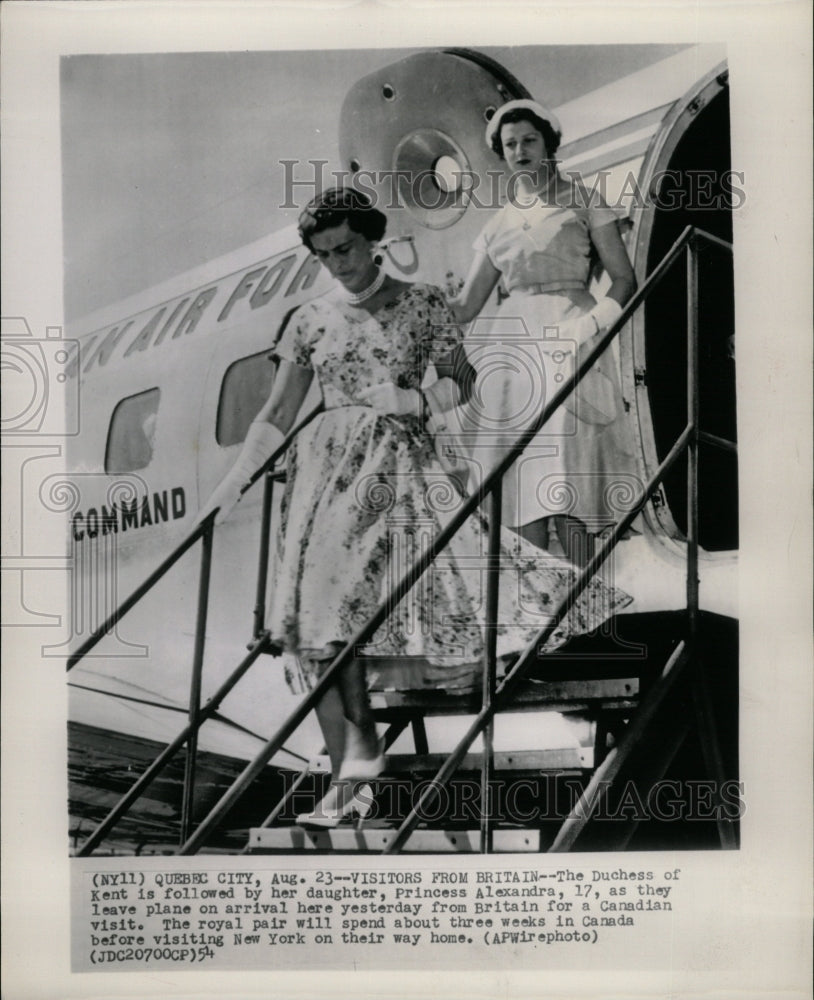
(387, 398)
(603, 315)
(261, 440)
(606, 312)
(443, 395)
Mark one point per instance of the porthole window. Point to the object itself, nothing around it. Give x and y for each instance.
(245, 388)
(437, 165)
(131, 433)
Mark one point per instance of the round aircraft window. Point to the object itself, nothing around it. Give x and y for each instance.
(431, 168)
(448, 173)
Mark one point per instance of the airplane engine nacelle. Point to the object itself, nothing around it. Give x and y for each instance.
(412, 136)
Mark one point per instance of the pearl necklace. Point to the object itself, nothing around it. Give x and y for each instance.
(357, 298)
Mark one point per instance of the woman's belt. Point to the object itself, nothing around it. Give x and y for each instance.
(546, 287)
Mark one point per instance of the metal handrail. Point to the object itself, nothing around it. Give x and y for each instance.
(688, 441)
(511, 680)
(161, 570)
(491, 482)
(145, 780)
(196, 683)
(491, 486)
(166, 565)
(197, 715)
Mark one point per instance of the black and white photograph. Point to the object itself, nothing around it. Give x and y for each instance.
(426, 285)
(391, 528)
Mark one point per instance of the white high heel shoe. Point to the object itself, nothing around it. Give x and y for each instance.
(355, 764)
(340, 803)
(359, 768)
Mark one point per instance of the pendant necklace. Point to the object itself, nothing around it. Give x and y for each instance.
(535, 200)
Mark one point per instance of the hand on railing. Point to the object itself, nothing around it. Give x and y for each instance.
(603, 315)
(262, 439)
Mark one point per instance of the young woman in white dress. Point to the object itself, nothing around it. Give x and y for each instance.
(544, 244)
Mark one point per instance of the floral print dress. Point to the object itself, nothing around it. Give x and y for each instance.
(365, 495)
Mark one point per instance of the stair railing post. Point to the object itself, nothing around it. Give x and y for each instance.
(490, 662)
(263, 558)
(204, 577)
(141, 784)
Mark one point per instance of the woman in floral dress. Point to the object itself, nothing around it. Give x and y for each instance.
(365, 494)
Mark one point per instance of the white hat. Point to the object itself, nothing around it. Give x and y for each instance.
(527, 105)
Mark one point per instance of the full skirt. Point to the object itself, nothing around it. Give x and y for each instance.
(364, 497)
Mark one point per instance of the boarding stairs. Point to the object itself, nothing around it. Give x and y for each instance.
(638, 711)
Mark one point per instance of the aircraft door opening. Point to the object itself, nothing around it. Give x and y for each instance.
(686, 179)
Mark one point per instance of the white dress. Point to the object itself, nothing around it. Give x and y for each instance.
(581, 463)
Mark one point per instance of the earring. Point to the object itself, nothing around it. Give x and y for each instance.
(378, 259)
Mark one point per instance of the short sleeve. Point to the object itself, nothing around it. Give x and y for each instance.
(591, 208)
(296, 342)
(600, 213)
(485, 237)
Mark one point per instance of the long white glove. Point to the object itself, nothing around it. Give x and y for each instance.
(387, 398)
(261, 440)
(603, 315)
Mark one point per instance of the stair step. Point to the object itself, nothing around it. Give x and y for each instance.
(563, 759)
(375, 840)
(558, 695)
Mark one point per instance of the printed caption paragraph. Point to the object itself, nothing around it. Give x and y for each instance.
(144, 918)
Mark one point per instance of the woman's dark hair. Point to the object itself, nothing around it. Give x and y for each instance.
(337, 205)
(551, 139)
